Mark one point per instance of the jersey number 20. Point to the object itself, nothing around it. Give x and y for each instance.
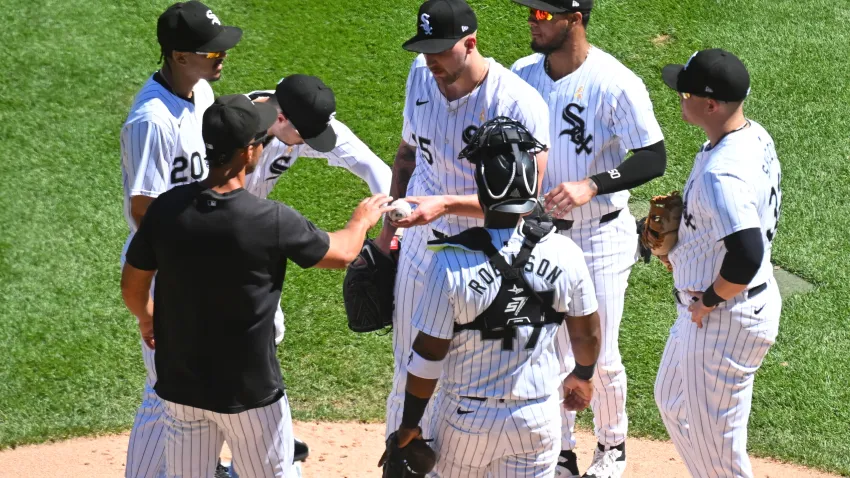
(179, 173)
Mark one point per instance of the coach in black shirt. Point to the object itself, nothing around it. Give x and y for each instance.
(219, 255)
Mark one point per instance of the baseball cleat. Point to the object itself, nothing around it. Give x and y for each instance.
(567, 465)
(610, 463)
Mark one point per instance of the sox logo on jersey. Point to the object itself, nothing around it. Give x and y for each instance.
(577, 131)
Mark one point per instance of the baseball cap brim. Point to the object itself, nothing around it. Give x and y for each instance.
(515, 206)
(324, 142)
(224, 41)
(546, 7)
(670, 75)
(430, 46)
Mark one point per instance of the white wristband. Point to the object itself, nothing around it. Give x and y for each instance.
(424, 368)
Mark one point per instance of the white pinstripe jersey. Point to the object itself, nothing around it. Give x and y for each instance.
(161, 142)
(733, 186)
(598, 113)
(437, 128)
(462, 284)
(350, 153)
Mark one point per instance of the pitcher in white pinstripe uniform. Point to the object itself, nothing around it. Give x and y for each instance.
(162, 147)
(599, 111)
(495, 299)
(728, 300)
(311, 104)
(451, 90)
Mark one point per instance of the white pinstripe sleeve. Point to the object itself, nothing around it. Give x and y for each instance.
(582, 294)
(352, 154)
(145, 153)
(533, 112)
(631, 115)
(407, 128)
(733, 202)
(434, 314)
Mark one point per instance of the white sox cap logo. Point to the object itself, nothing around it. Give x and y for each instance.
(426, 25)
(213, 18)
(576, 4)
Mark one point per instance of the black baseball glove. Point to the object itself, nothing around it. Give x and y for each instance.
(417, 459)
(368, 290)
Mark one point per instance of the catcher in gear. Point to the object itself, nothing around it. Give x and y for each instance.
(507, 406)
(659, 230)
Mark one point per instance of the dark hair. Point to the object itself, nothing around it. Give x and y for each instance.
(165, 54)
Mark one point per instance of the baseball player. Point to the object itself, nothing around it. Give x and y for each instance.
(309, 129)
(599, 111)
(728, 300)
(220, 255)
(162, 147)
(487, 322)
(451, 90)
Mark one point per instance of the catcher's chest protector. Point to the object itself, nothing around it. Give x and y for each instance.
(517, 303)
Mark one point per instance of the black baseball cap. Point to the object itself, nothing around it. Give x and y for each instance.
(192, 26)
(233, 122)
(714, 73)
(558, 6)
(440, 25)
(310, 105)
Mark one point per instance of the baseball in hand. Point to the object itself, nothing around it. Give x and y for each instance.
(401, 209)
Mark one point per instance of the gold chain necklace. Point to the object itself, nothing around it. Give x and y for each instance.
(466, 99)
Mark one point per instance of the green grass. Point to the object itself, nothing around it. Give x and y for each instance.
(69, 358)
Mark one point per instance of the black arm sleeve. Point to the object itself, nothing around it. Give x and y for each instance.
(641, 167)
(744, 255)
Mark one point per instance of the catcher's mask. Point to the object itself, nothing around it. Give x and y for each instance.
(503, 152)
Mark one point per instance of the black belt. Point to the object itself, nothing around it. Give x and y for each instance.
(752, 292)
(479, 399)
(566, 225)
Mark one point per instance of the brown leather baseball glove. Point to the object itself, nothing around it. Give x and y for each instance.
(661, 226)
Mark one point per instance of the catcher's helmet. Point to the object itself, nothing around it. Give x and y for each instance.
(505, 167)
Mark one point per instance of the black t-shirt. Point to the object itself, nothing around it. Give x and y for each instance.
(220, 262)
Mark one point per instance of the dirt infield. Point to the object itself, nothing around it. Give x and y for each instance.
(344, 450)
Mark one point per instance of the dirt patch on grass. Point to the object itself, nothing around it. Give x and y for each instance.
(345, 450)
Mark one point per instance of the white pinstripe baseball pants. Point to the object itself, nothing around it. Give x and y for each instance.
(609, 251)
(414, 260)
(515, 439)
(704, 387)
(260, 438)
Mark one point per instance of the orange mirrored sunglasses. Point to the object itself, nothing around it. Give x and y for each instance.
(541, 15)
(211, 55)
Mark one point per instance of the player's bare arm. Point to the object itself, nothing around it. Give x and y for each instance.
(135, 289)
(139, 206)
(585, 341)
(345, 244)
(644, 165)
(426, 362)
(403, 167)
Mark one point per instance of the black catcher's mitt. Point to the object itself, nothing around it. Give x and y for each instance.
(368, 290)
(415, 460)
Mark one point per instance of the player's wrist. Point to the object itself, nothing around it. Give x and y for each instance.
(584, 372)
(710, 298)
(414, 410)
(593, 186)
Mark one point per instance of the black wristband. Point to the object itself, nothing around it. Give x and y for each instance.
(584, 372)
(414, 408)
(710, 298)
